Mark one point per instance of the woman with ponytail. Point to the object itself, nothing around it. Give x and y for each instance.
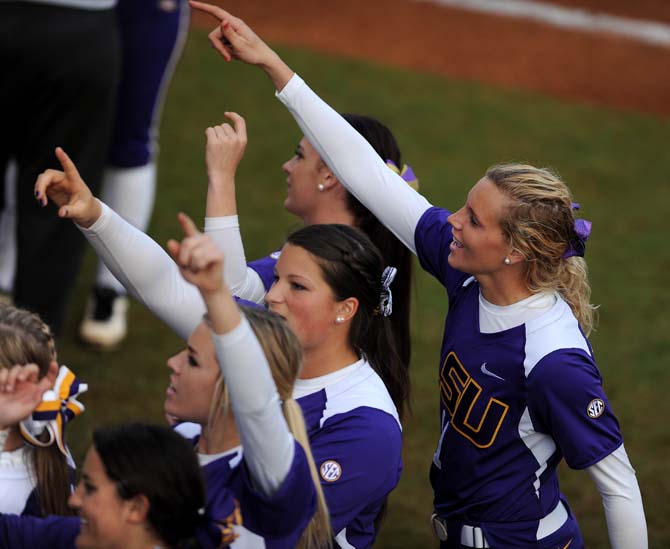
(36, 471)
(314, 195)
(519, 386)
(235, 379)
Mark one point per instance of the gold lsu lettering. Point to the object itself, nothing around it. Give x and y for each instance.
(460, 394)
(227, 526)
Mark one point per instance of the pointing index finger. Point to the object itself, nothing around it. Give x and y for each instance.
(187, 225)
(216, 11)
(68, 166)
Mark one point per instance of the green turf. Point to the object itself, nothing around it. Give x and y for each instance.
(616, 164)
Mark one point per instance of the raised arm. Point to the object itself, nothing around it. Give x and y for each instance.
(224, 151)
(137, 261)
(268, 444)
(353, 160)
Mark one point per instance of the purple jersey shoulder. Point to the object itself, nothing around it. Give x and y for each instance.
(282, 516)
(265, 268)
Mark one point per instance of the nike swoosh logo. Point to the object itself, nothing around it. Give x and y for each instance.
(488, 372)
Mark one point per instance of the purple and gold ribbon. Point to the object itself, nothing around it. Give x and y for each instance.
(407, 174)
(59, 406)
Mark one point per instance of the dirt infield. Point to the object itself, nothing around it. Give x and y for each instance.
(513, 53)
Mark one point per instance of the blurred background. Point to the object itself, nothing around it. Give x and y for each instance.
(462, 90)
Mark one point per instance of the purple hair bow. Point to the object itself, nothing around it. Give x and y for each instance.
(407, 174)
(582, 230)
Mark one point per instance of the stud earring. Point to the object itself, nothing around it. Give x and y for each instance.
(321, 187)
(507, 261)
(339, 319)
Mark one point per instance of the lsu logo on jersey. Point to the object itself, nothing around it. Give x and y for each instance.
(227, 526)
(461, 396)
(595, 408)
(330, 470)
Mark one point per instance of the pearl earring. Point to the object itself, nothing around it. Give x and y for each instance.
(321, 187)
(507, 261)
(339, 319)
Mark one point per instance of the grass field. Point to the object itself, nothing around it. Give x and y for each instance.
(616, 164)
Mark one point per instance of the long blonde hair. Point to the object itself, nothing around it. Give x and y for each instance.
(539, 223)
(284, 354)
(25, 339)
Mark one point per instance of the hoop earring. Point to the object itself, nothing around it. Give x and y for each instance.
(321, 187)
(507, 261)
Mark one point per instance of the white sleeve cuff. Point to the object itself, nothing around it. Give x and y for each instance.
(225, 222)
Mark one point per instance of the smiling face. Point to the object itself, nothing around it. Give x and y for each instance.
(303, 170)
(301, 295)
(195, 372)
(103, 513)
(479, 246)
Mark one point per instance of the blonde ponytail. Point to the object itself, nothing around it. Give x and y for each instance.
(284, 354)
(539, 223)
(318, 533)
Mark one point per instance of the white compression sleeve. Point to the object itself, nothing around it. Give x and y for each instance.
(355, 163)
(267, 442)
(615, 479)
(146, 271)
(130, 192)
(242, 281)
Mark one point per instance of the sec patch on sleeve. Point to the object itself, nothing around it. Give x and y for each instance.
(330, 470)
(595, 408)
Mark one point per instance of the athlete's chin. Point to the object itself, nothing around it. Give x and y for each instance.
(288, 205)
(454, 261)
(170, 409)
(84, 540)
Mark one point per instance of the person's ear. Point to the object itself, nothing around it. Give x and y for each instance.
(137, 509)
(327, 179)
(515, 257)
(346, 310)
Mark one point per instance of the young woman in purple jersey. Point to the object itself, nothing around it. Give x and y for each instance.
(519, 388)
(141, 487)
(334, 291)
(278, 492)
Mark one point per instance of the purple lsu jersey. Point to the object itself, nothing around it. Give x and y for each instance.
(512, 405)
(280, 519)
(356, 440)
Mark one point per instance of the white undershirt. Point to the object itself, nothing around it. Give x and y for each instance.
(497, 318)
(17, 479)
